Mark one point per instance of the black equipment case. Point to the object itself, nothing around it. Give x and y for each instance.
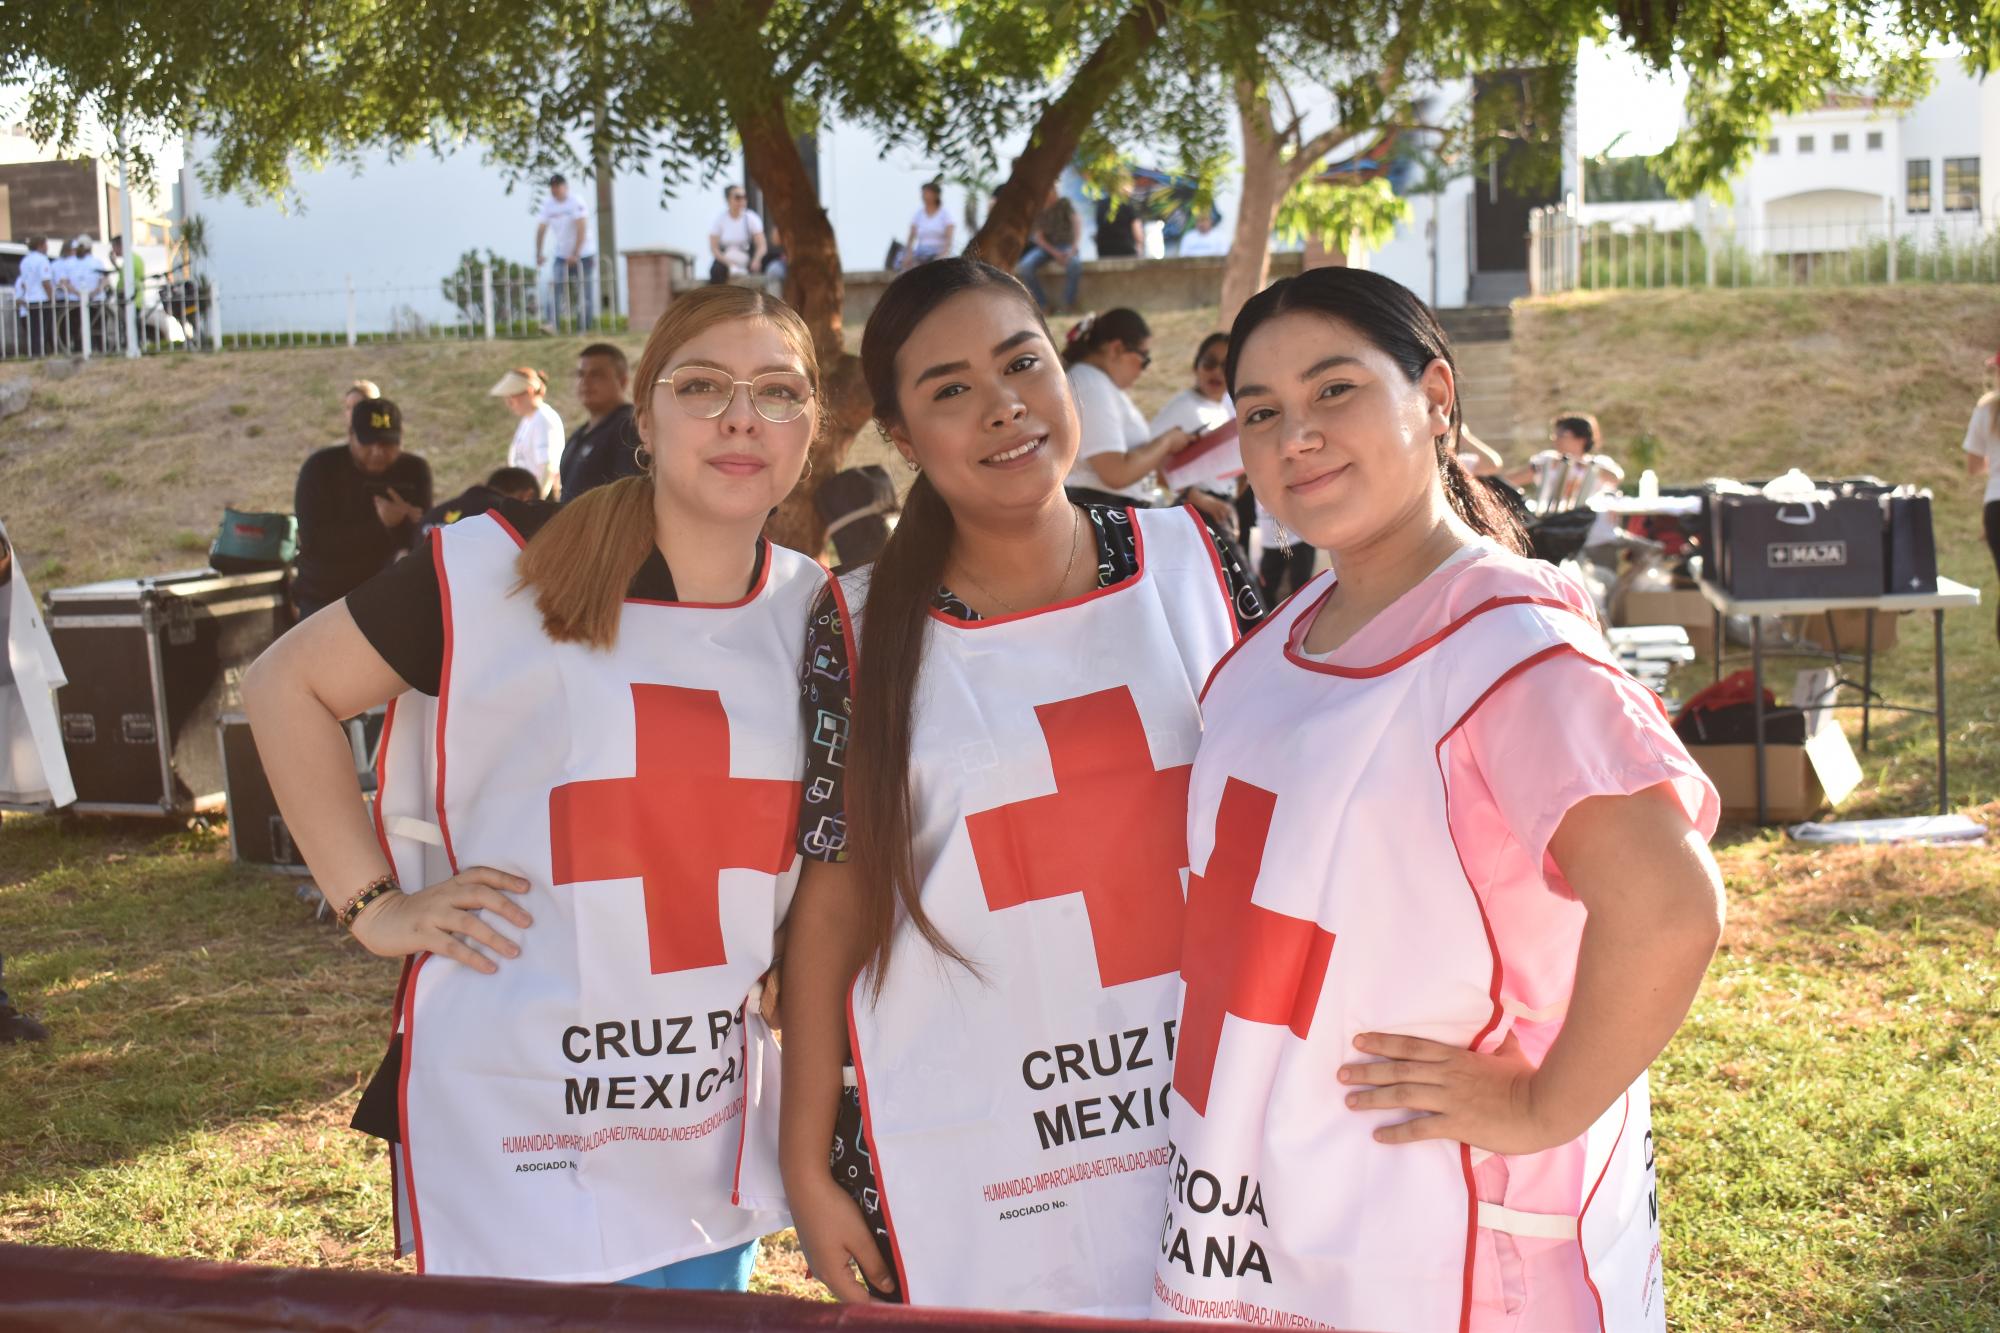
(257, 832)
(152, 664)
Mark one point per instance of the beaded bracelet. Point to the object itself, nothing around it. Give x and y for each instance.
(345, 916)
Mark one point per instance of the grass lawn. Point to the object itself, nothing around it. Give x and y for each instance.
(1828, 1122)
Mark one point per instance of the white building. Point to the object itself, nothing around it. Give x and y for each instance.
(398, 224)
(1848, 172)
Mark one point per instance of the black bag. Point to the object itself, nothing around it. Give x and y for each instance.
(1911, 545)
(1736, 724)
(1765, 549)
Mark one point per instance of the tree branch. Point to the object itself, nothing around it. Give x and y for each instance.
(822, 42)
(1058, 130)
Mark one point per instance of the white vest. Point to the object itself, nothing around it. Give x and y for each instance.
(1016, 1117)
(1330, 900)
(34, 768)
(599, 1107)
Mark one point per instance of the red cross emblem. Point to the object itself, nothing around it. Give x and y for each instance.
(1113, 830)
(677, 824)
(1240, 958)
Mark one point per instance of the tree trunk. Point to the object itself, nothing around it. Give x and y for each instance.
(814, 286)
(608, 284)
(1004, 237)
(1248, 267)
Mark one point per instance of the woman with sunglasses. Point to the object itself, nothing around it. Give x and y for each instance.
(1118, 455)
(583, 828)
(1022, 674)
(1205, 406)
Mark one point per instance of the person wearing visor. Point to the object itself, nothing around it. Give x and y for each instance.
(538, 432)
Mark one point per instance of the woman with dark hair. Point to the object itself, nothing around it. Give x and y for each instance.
(998, 955)
(931, 229)
(1118, 453)
(1443, 853)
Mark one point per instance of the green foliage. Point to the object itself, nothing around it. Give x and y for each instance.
(1341, 217)
(515, 298)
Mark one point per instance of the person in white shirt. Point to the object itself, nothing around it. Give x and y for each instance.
(538, 436)
(564, 220)
(1982, 455)
(1118, 455)
(1203, 406)
(34, 288)
(736, 238)
(931, 229)
(1205, 239)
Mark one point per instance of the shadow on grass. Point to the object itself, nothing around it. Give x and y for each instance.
(184, 994)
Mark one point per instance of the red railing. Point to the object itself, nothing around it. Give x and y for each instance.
(47, 1290)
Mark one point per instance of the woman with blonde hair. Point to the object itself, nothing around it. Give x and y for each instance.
(538, 435)
(583, 827)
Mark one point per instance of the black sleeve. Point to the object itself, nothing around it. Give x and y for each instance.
(1246, 600)
(401, 614)
(825, 703)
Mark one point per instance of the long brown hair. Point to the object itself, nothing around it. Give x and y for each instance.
(1402, 328)
(880, 822)
(583, 559)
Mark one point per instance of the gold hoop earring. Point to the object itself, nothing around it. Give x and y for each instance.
(644, 458)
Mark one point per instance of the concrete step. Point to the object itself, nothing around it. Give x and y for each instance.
(1477, 324)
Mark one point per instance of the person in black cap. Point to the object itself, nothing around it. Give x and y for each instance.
(358, 505)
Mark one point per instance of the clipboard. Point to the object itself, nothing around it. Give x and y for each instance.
(1216, 455)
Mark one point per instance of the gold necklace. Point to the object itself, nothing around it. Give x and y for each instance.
(1075, 526)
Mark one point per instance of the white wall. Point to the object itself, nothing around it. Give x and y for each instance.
(1445, 218)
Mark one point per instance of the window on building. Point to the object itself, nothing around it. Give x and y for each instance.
(1771, 145)
(1961, 185)
(1874, 141)
(1839, 143)
(1805, 143)
(1917, 185)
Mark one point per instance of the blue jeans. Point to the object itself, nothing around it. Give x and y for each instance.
(571, 281)
(1028, 271)
(725, 1270)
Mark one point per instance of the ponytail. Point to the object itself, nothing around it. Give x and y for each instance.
(1095, 331)
(880, 821)
(881, 826)
(585, 557)
(1476, 503)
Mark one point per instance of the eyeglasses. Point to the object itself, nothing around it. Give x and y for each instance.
(1145, 357)
(1209, 363)
(777, 396)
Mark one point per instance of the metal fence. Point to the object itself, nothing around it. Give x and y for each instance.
(194, 314)
(1566, 253)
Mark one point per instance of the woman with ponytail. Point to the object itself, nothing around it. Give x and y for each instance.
(583, 828)
(990, 922)
(1450, 891)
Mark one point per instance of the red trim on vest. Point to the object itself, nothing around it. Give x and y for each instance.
(1583, 1253)
(1492, 944)
(1274, 617)
(409, 1001)
(874, 1157)
(444, 688)
(1138, 576)
(756, 589)
(1418, 649)
(846, 636)
(1215, 563)
(742, 1121)
(509, 528)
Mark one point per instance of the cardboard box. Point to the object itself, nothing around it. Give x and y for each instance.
(1850, 628)
(1792, 790)
(1685, 607)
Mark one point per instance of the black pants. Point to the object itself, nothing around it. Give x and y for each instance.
(1284, 571)
(4, 1001)
(1993, 545)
